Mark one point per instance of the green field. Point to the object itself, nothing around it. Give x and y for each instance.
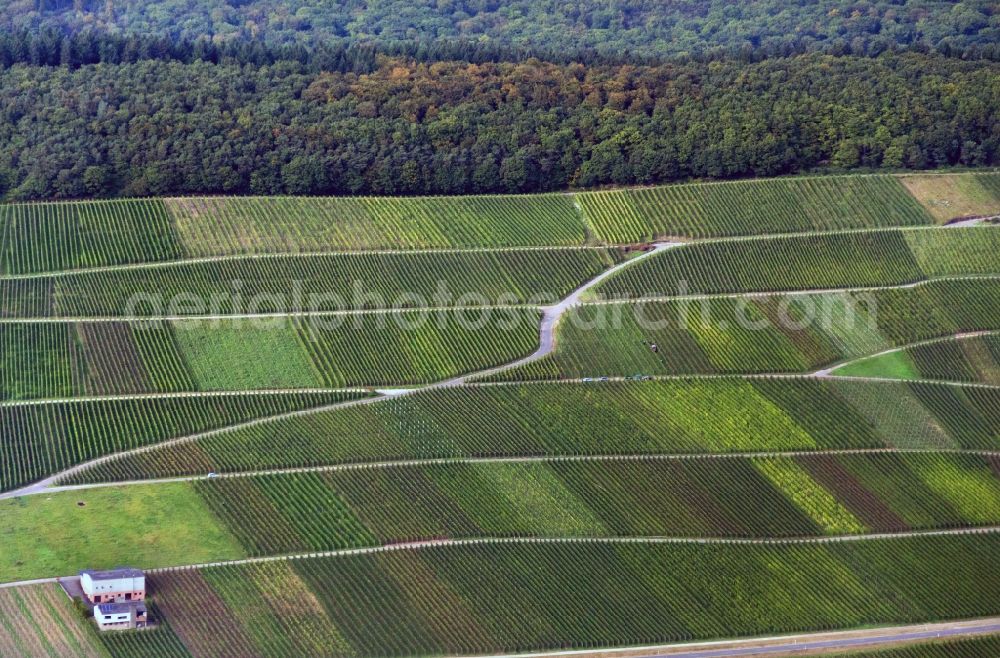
(966, 359)
(334, 282)
(37, 440)
(630, 418)
(836, 260)
(797, 429)
(774, 334)
(42, 533)
(499, 597)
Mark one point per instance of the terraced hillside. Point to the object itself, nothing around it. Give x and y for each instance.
(785, 333)
(683, 416)
(824, 260)
(49, 237)
(394, 427)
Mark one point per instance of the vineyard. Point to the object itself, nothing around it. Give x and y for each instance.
(760, 334)
(504, 597)
(712, 497)
(310, 283)
(500, 424)
(63, 359)
(212, 227)
(53, 629)
(40, 439)
(48, 237)
(320, 606)
(965, 359)
(833, 260)
(792, 205)
(694, 416)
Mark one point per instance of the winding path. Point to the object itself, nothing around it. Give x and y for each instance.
(197, 260)
(822, 642)
(514, 459)
(550, 320)
(525, 541)
(551, 316)
(829, 371)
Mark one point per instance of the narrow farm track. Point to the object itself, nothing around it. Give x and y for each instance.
(530, 459)
(822, 642)
(179, 394)
(479, 541)
(828, 372)
(167, 264)
(550, 320)
(551, 315)
(792, 293)
(383, 393)
(718, 376)
(42, 486)
(459, 250)
(972, 221)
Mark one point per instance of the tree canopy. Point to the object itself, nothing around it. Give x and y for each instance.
(637, 27)
(406, 127)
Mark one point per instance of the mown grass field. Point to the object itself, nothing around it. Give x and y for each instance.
(57, 534)
(955, 197)
(965, 359)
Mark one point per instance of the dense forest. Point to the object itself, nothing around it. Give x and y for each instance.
(638, 27)
(149, 97)
(405, 127)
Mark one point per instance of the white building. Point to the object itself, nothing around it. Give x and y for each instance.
(120, 616)
(124, 584)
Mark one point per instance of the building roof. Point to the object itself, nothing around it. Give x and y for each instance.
(119, 608)
(113, 574)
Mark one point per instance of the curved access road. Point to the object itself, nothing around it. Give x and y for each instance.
(614, 540)
(551, 315)
(831, 370)
(820, 643)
